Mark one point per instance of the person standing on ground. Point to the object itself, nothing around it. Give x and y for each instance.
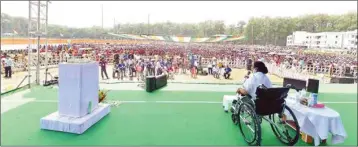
(210, 67)
(115, 66)
(248, 64)
(195, 68)
(139, 69)
(121, 67)
(103, 64)
(8, 64)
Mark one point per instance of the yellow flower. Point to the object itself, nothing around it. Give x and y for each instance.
(102, 95)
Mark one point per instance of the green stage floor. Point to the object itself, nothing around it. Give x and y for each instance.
(154, 119)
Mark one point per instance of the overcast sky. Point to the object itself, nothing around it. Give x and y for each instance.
(87, 14)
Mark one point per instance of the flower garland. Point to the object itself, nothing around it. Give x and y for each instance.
(102, 94)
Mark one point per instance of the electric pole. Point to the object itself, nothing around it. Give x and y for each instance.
(102, 16)
(114, 25)
(252, 35)
(148, 24)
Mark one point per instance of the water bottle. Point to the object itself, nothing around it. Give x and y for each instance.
(314, 97)
(303, 93)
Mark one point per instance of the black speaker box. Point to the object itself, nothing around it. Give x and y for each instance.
(342, 80)
(313, 86)
(299, 84)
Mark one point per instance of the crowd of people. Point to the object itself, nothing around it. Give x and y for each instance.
(133, 65)
(138, 59)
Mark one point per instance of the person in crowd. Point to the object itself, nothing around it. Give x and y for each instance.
(216, 72)
(227, 72)
(210, 67)
(194, 69)
(8, 64)
(122, 69)
(126, 65)
(115, 66)
(170, 72)
(185, 65)
(158, 67)
(139, 69)
(248, 64)
(176, 66)
(227, 54)
(131, 68)
(103, 64)
(147, 67)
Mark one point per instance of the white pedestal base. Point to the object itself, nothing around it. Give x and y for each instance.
(74, 125)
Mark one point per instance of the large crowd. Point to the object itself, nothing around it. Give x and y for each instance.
(158, 57)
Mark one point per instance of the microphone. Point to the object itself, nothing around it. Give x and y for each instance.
(247, 75)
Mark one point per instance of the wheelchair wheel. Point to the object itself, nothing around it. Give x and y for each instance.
(249, 125)
(282, 127)
(235, 105)
(234, 118)
(234, 115)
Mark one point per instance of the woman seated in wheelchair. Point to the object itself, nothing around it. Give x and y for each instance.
(259, 77)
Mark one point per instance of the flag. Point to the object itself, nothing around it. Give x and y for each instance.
(61, 34)
(15, 32)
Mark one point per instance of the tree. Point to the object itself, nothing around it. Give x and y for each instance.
(258, 30)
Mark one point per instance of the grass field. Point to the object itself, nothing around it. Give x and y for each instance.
(157, 118)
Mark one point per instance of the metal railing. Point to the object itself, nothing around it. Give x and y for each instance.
(305, 72)
(22, 81)
(21, 65)
(283, 70)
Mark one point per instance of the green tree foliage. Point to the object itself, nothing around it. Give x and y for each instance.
(258, 30)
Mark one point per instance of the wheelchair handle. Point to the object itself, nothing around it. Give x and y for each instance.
(262, 86)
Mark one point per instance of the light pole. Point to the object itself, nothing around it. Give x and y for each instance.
(102, 16)
(148, 25)
(252, 35)
(46, 39)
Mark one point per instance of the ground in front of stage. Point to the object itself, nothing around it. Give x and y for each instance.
(179, 114)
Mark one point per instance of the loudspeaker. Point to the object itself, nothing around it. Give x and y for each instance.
(313, 86)
(348, 72)
(299, 84)
(342, 80)
(348, 75)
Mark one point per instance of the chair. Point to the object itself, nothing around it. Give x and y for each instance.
(270, 101)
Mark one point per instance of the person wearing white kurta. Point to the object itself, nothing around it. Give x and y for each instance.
(157, 66)
(250, 85)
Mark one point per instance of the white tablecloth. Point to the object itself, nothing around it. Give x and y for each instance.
(78, 88)
(319, 122)
(76, 125)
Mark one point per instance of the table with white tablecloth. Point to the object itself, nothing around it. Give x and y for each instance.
(319, 122)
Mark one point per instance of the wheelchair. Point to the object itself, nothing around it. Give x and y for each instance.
(269, 105)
